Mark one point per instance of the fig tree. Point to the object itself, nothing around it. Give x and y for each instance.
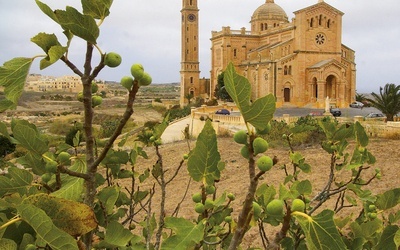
(145, 80)
(298, 205)
(231, 196)
(96, 100)
(260, 145)
(199, 208)
(372, 208)
(112, 60)
(137, 71)
(264, 163)
(372, 215)
(127, 82)
(275, 207)
(197, 197)
(240, 137)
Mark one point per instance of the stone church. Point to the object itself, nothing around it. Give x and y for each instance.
(301, 62)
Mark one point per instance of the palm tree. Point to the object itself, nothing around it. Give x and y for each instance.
(189, 97)
(388, 100)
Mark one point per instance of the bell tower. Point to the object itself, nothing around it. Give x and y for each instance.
(190, 71)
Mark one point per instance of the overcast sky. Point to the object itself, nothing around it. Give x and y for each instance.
(149, 32)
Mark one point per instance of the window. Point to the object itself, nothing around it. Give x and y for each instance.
(312, 22)
(328, 24)
(191, 79)
(285, 70)
(234, 52)
(262, 27)
(320, 20)
(290, 70)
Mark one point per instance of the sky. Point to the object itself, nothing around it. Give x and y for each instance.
(149, 32)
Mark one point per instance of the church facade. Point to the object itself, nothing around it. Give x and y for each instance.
(301, 62)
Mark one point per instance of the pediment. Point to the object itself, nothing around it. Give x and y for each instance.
(327, 64)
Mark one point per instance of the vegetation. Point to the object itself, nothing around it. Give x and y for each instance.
(70, 197)
(387, 101)
(220, 90)
(6, 146)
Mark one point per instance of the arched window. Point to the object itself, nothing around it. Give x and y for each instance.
(328, 24)
(191, 79)
(320, 20)
(285, 70)
(191, 2)
(265, 26)
(289, 49)
(290, 70)
(312, 22)
(262, 27)
(234, 52)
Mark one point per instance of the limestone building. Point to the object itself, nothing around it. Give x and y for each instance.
(301, 62)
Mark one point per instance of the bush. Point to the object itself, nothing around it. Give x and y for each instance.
(6, 147)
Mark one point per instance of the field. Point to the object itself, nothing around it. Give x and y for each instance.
(235, 177)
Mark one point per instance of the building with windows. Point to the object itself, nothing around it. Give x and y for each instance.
(301, 62)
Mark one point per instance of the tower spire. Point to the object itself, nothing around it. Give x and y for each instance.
(269, 1)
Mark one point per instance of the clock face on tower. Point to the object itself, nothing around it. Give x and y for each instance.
(191, 17)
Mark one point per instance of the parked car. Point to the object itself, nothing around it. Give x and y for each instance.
(375, 115)
(223, 112)
(336, 112)
(356, 105)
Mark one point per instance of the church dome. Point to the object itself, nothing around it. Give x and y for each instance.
(270, 11)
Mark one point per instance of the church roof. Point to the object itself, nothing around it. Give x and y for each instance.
(270, 11)
(320, 3)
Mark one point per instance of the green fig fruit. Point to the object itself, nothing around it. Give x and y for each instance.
(240, 137)
(95, 87)
(197, 197)
(64, 158)
(208, 204)
(275, 207)
(51, 166)
(210, 189)
(264, 163)
(112, 60)
(231, 196)
(137, 71)
(127, 82)
(298, 205)
(244, 151)
(228, 219)
(79, 96)
(145, 80)
(256, 209)
(199, 208)
(96, 100)
(260, 145)
(264, 131)
(46, 177)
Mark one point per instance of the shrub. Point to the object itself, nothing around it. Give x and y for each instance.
(6, 147)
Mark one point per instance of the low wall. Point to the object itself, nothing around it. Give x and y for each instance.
(374, 128)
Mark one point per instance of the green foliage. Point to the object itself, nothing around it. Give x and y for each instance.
(176, 113)
(6, 147)
(387, 101)
(220, 90)
(64, 200)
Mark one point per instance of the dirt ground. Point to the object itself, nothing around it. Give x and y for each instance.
(234, 178)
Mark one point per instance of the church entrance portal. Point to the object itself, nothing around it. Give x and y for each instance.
(331, 87)
(286, 94)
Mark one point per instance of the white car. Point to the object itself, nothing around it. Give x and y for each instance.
(356, 105)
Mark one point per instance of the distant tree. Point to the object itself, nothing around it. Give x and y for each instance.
(189, 97)
(220, 91)
(6, 146)
(387, 101)
(360, 97)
